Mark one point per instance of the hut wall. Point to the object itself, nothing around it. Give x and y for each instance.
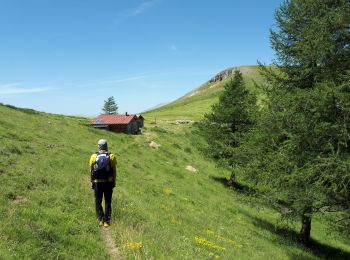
(133, 127)
(118, 128)
(140, 122)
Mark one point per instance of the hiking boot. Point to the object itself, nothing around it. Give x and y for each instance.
(106, 224)
(100, 224)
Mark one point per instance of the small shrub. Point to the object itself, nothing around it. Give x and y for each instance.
(188, 150)
(176, 145)
(3, 151)
(10, 196)
(136, 165)
(44, 181)
(31, 186)
(15, 150)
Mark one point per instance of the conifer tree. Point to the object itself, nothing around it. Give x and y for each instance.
(311, 42)
(110, 107)
(302, 149)
(227, 123)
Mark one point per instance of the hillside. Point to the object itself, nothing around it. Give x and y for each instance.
(161, 210)
(194, 104)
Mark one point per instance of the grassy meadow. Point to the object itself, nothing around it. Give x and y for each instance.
(160, 209)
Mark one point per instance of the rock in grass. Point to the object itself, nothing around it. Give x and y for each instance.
(154, 145)
(191, 168)
(181, 122)
(19, 200)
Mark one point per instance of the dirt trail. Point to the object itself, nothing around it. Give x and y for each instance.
(112, 248)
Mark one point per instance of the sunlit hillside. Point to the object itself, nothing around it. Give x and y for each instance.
(196, 103)
(170, 201)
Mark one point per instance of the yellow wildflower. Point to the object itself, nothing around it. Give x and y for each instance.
(226, 240)
(133, 245)
(241, 221)
(174, 220)
(165, 208)
(212, 255)
(204, 242)
(168, 191)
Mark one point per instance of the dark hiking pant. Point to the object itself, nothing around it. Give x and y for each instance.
(103, 189)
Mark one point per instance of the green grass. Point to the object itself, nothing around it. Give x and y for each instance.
(160, 210)
(45, 203)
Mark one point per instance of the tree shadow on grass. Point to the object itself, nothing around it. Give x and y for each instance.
(238, 186)
(285, 235)
(222, 180)
(290, 237)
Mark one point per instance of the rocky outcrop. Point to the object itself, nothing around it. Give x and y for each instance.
(222, 75)
(184, 121)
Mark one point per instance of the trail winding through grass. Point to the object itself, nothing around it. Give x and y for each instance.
(111, 246)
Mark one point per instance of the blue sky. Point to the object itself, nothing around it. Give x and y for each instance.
(68, 56)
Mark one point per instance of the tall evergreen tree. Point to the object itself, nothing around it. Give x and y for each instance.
(110, 106)
(312, 42)
(225, 126)
(302, 153)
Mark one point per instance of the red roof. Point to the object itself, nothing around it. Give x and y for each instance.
(113, 119)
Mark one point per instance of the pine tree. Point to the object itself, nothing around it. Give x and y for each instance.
(312, 42)
(110, 107)
(225, 126)
(302, 143)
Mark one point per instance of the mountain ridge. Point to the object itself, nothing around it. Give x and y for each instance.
(194, 104)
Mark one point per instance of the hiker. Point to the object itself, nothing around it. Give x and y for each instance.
(103, 176)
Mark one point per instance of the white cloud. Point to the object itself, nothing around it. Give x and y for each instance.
(17, 89)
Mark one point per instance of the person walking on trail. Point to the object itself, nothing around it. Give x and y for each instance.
(103, 177)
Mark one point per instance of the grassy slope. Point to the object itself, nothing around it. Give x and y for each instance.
(43, 160)
(196, 103)
(160, 209)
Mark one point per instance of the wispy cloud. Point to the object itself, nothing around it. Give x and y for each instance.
(138, 10)
(112, 81)
(126, 79)
(144, 6)
(173, 47)
(18, 89)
